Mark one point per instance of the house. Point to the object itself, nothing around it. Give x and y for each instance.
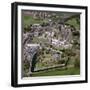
(55, 42)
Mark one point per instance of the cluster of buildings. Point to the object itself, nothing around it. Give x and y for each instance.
(37, 31)
(57, 35)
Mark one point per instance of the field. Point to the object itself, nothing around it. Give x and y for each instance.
(60, 72)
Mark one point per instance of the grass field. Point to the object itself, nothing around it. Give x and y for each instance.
(73, 22)
(55, 72)
(30, 20)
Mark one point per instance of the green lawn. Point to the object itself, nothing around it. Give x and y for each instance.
(30, 20)
(73, 22)
(54, 72)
